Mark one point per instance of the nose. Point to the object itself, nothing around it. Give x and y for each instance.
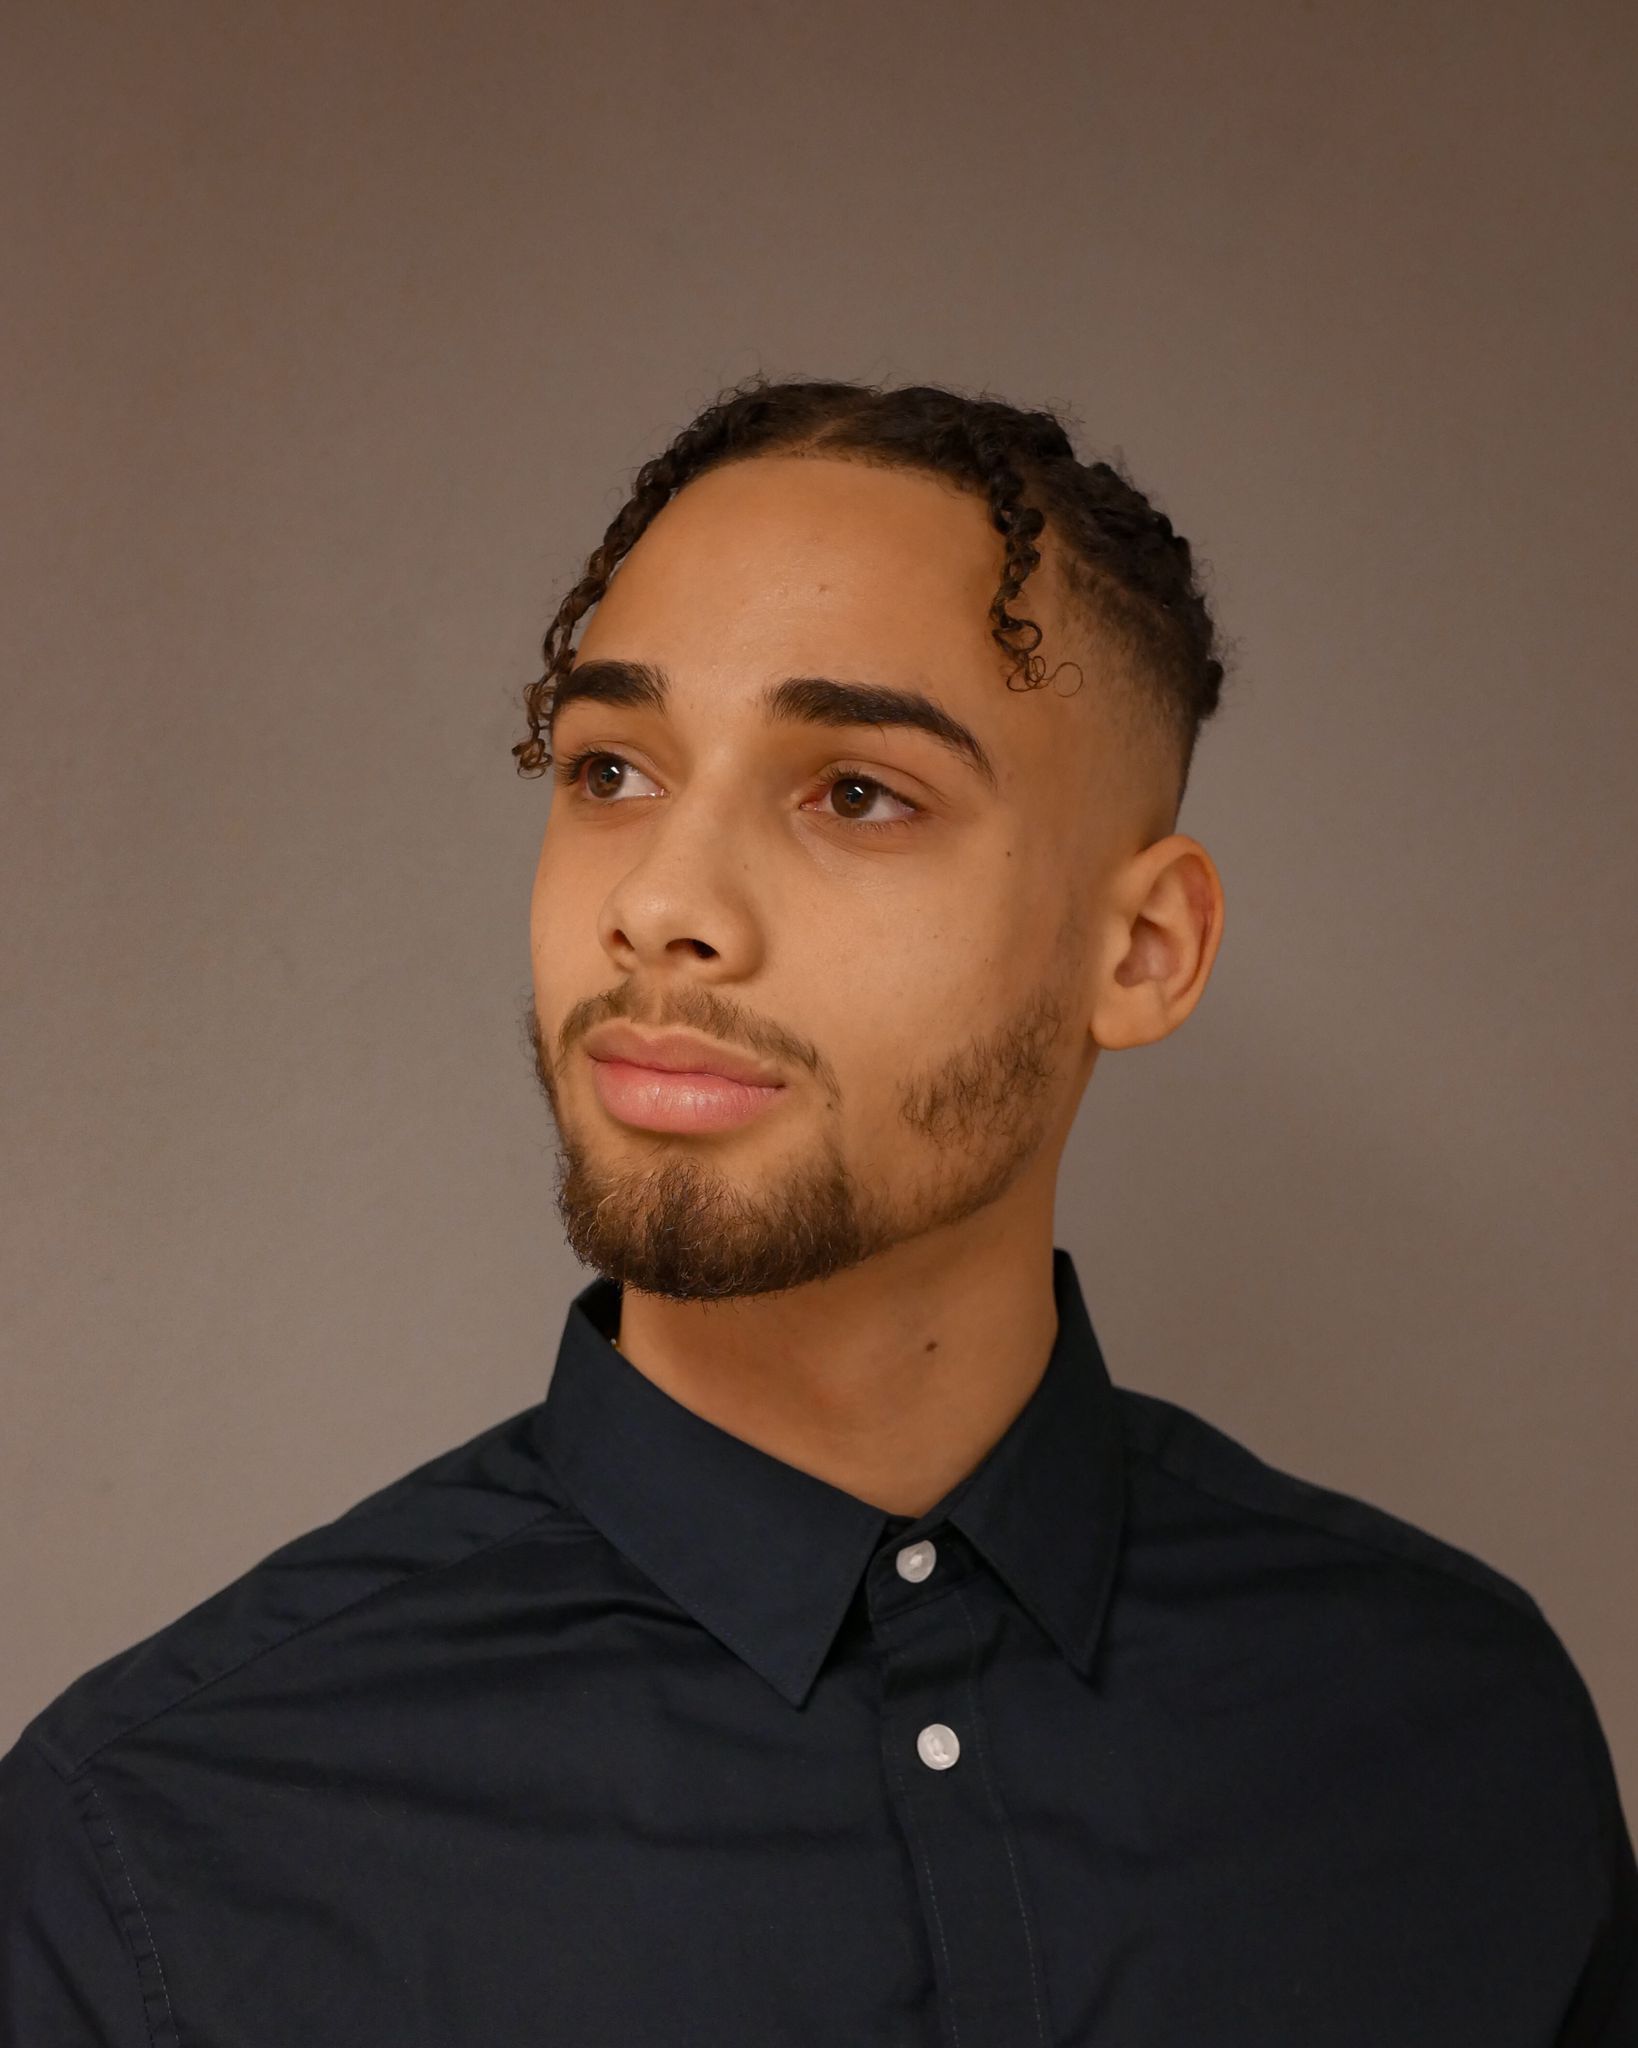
(689, 896)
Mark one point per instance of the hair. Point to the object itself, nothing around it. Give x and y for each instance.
(1133, 575)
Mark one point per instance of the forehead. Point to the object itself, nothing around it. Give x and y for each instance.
(813, 562)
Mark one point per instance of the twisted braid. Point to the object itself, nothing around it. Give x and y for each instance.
(1124, 560)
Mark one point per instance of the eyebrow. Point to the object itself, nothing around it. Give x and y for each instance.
(798, 700)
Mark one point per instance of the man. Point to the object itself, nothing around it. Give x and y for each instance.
(835, 1655)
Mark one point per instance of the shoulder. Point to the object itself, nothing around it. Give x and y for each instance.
(448, 1512)
(1340, 1590)
(1373, 1661)
(1206, 1461)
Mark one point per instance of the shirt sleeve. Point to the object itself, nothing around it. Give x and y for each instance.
(1604, 2010)
(68, 1975)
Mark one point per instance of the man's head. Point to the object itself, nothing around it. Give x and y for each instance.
(817, 825)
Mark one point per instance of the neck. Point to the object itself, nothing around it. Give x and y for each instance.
(891, 1380)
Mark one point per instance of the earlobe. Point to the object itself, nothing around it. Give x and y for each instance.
(1131, 1014)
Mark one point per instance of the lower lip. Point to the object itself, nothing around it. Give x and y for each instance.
(655, 1100)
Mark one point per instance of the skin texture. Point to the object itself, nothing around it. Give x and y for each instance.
(859, 1281)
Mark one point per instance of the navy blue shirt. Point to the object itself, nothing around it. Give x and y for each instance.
(609, 1730)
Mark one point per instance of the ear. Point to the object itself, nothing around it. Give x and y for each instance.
(1166, 923)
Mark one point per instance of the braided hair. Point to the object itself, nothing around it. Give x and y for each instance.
(1131, 571)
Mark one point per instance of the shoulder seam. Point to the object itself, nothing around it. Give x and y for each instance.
(47, 1753)
(1509, 1594)
(69, 1767)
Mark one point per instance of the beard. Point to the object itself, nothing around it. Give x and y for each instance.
(680, 1225)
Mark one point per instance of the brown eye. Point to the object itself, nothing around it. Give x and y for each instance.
(852, 807)
(597, 787)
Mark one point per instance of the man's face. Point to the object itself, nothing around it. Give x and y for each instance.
(921, 988)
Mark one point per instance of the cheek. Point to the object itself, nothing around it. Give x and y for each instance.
(896, 999)
(563, 905)
(544, 919)
(958, 949)
(565, 965)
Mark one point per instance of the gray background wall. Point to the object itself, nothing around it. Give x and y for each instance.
(333, 335)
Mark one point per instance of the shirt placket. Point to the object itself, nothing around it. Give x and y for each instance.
(936, 1750)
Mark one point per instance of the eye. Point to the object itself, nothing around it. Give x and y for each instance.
(597, 790)
(568, 772)
(848, 780)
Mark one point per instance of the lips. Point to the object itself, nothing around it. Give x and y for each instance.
(677, 1052)
(658, 1099)
(677, 1081)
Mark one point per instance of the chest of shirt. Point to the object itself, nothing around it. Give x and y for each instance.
(526, 1822)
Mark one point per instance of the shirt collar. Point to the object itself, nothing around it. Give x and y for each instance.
(768, 1557)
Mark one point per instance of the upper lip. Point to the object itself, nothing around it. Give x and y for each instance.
(676, 1052)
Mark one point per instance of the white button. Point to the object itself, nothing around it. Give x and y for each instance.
(937, 1746)
(916, 1560)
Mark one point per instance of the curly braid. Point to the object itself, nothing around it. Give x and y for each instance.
(1133, 573)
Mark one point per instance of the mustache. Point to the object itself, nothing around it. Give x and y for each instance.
(694, 1009)
(688, 1009)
